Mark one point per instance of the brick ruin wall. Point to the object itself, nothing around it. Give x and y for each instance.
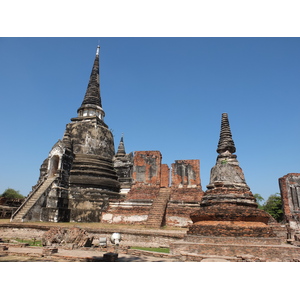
(262, 252)
(149, 176)
(290, 195)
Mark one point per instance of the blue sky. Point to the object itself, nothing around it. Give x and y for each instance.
(164, 94)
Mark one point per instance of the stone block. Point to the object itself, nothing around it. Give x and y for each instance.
(110, 257)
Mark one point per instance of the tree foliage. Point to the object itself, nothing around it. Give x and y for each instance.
(260, 200)
(273, 206)
(12, 194)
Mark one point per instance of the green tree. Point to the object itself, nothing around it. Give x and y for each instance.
(260, 200)
(273, 206)
(12, 194)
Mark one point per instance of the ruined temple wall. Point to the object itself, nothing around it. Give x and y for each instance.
(128, 212)
(290, 195)
(149, 176)
(147, 168)
(165, 176)
(186, 173)
(186, 184)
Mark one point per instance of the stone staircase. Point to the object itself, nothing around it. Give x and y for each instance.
(158, 208)
(32, 198)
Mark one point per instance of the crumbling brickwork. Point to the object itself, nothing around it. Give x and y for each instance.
(186, 173)
(150, 179)
(290, 195)
(235, 248)
(228, 207)
(147, 168)
(186, 192)
(165, 176)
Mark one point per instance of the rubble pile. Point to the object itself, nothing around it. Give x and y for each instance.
(61, 236)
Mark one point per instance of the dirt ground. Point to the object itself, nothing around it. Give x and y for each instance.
(32, 254)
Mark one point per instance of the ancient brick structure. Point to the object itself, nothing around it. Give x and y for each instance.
(151, 200)
(228, 207)
(186, 192)
(147, 168)
(186, 173)
(290, 195)
(84, 180)
(78, 177)
(165, 176)
(146, 178)
(228, 211)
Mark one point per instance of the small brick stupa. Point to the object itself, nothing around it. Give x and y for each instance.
(228, 207)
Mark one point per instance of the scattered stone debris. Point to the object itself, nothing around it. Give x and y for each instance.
(73, 237)
(47, 251)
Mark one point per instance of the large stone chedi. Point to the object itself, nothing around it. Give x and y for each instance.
(93, 179)
(78, 176)
(228, 207)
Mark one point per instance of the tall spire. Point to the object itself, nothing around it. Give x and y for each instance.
(92, 95)
(226, 142)
(92, 104)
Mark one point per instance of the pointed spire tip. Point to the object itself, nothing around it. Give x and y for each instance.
(226, 142)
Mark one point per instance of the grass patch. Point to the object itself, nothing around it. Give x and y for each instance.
(31, 242)
(162, 250)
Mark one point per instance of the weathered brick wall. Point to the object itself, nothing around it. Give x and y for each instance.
(184, 195)
(146, 168)
(135, 207)
(186, 173)
(165, 176)
(214, 228)
(127, 213)
(229, 219)
(149, 175)
(264, 252)
(143, 193)
(290, 195)
(186, 192)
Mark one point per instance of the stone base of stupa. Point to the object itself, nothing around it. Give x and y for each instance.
(230, 220)
(235, 233)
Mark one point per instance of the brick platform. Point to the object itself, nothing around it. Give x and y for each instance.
(264, 252)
